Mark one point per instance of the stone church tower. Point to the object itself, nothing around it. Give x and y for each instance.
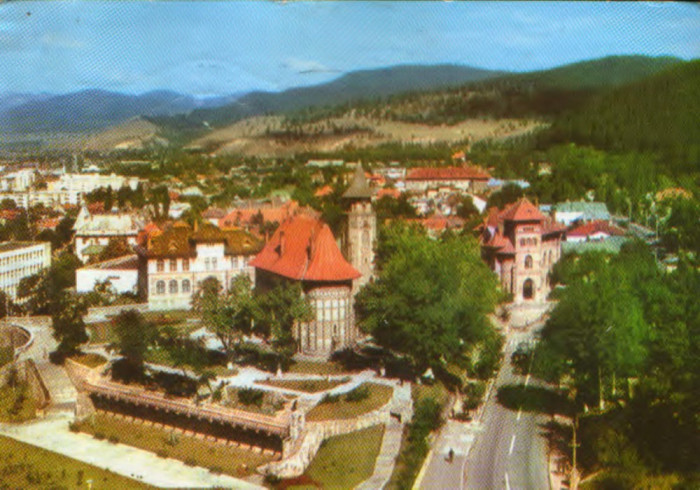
(360, 233)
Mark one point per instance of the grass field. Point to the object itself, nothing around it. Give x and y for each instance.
(89, 360)
(25, 466)
(191, 450)
(306, 385)
(343, 461)
(312, 367)
(379, 395)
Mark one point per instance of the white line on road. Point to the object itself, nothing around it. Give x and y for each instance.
(507, 482)
(512, 444)
(520, 412)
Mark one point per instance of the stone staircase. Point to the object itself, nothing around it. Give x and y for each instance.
(63, 394)
(384, 465)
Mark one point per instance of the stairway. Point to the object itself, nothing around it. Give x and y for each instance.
(63, 394)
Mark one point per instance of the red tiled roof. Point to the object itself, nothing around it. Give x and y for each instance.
(522, 210)
(48, 223)
(244, 215)
(395, 193)
(324, 191)
(303, 248)
(595, 227)
(447, 173)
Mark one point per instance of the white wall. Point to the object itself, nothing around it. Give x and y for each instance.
(123, 281)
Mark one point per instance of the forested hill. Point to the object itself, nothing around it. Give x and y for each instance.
(535, 94)
(362, 84)
(660, 113)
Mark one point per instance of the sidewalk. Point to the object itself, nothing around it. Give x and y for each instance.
(384, 466)
(52, 434)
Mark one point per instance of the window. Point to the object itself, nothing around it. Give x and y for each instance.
(173, 265)
(213, 263)
(160, 266)
(528, 262)
(185, 264)
(172, 287)
(186, 286)
(522, 242)
(160, 287)
(207, 264)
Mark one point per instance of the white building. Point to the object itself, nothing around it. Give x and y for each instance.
(173, 262)
(93, 231)
(75, 185)
(19, 260)
(17, 181)
(122, 273)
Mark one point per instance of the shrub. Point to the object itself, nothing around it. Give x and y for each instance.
(163, 453)
(217, 470)
(113, 439)
(328, 398)
(74, 427)
(358, 394)
(250, 396)
(190, 462)
(99, 436)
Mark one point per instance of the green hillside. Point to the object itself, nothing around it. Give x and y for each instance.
(535, 94)
(660, 113)
(354, 86)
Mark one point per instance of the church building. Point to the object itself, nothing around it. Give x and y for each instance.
(521, 246)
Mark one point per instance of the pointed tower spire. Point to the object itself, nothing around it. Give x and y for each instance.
(359, 187)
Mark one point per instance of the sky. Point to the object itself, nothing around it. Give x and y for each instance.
(218, 48)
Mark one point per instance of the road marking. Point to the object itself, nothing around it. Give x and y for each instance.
(520, 412)
(527, 380)
(507, 482)
(512, 444)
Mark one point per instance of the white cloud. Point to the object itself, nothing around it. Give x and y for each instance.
(307, 66)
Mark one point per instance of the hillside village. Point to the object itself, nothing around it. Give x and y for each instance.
(310, 289)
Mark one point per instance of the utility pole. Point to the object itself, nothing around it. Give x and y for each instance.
(573, 479)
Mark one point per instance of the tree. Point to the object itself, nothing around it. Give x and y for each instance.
(134, 336)
(228, 315)
(67, 322)
(466, 208)
(507, 195)
(280, 308)
(116, 247)
(431, 299)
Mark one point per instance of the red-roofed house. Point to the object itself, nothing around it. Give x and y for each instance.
(521, 246)
(467, 178)
(593, 231)
(251, 215)
(303, 249)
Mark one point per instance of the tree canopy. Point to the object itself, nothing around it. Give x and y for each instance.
(431, 299)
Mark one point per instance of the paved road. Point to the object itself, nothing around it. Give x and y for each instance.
(511, 451)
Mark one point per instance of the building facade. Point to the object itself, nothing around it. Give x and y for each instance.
(304, 250)
(466, 179)
(93, 231)
(122, 274)
(521, 246)
(174, 261)
(19, 260)
(360, 231)
(73, 186)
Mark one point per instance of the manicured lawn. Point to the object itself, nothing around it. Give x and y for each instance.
(165, 443)
(89, 360)
(379, 395)
(26, 466)
(344, 461)
(307, 385)
(16, 404)
(436, 391)
(312, 367)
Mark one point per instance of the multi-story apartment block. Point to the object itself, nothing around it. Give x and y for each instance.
(447, 179)
(174, 261)
(19, 260)
(74, 186)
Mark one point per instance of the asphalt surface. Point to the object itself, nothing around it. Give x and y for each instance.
(510, 452)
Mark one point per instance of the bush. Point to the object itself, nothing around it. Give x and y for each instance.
(190, 462)
(250, 396)
(162, 453)
(99, 436)
(216, 470)
(113, 439)
(328, 398)
(358, 394)
(74, 427)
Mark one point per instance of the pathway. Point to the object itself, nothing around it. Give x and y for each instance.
(52, 433)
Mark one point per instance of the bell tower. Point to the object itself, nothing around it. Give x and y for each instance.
(360, 233)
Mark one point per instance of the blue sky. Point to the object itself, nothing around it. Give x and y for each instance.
(216, 48)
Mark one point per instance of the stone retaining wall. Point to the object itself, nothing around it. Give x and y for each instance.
(314, 435)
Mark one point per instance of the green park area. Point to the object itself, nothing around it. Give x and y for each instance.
(342, 462)
(166, 443)
(306, 385)
(29, 467)
(89, 359)
(363, 399)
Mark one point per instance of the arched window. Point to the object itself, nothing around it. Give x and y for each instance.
(522, 242)
(160, 265)
(160, 287)
(173, 265)
(528, 262)
(528, 289)
(172, 287)
(186, 286)
(185, 264)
